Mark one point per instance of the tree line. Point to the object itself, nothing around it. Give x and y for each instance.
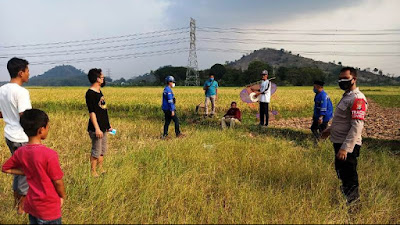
(227, 76)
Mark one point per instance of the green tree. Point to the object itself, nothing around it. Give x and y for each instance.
(218, 70)
(253, 72)
(233, 77)
(179, 73)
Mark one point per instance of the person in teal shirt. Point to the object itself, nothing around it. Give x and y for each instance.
(211, 92)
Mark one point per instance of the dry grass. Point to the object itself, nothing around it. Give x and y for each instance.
(241, 176)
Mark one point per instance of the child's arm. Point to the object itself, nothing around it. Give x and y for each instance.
(14, 171)
(12, 166)
(60, 189)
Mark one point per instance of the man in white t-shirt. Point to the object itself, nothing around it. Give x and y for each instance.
(14, 100)
(265, 98)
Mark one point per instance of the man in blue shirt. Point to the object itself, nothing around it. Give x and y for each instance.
(211, 92)
(323, 109)
(168, 106)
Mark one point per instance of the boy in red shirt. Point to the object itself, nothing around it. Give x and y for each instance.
(41, 167)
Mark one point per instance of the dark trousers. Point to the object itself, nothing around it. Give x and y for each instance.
(318, 128)
(263, 112)
(168, 118)
(35, 220)
(347, 172)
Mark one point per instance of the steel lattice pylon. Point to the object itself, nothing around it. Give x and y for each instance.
(192, 73)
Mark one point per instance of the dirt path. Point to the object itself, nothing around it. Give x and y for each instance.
(380, 123)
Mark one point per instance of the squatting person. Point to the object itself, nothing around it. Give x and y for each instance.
(168, 106)
(323, 109)
(98, 124)
(345, 132)
(14, 100)
(232, 117)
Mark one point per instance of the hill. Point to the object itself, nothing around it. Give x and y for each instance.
(282, 58)
(64, 75)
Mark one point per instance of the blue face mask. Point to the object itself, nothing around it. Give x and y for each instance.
(211, 79)
(315, 90)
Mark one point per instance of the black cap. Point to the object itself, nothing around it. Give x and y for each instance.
(318, 82)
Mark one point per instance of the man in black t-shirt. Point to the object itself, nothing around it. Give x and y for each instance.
(98, 122)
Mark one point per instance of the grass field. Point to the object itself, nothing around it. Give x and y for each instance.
(245, 175)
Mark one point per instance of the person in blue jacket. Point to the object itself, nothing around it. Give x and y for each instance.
(168, 106)
(323, 109)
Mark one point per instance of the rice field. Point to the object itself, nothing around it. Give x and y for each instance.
(246, 175)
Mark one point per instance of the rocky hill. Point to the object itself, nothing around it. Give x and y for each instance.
(282, 58)
(64, 75)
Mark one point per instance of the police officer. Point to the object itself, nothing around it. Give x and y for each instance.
(168, 106)
(345, 132)
(323, 109)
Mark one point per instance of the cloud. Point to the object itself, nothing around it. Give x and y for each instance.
(43, 21)
(31, 22)
(244, 13)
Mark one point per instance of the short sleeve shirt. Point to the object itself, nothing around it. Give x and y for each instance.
(41, 167)
(266, 91)
(348, 120)
(14, 100)
(212, 87)
(96, 103)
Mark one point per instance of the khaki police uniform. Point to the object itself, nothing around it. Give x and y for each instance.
(346, 130)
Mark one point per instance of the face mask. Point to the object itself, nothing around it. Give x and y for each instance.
(345, 84)
(211, 79)
(173, 84)
(103, 84)
(315, 90)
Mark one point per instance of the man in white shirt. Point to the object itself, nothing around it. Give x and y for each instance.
(265, 98)
(14, 100)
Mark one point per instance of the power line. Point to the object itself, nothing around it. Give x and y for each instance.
(309, 52)
(103, 49)
(112, 57)
(301, 30)
(220, 30)
(295, 42)
(94, 39)
(110, 41)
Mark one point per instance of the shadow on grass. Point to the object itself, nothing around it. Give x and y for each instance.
(191, 118)
(390, 145)
(299, 137)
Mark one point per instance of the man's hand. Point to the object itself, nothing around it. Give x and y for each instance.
(342, 154)
(62, 202)
(172, 113)
(258, 93)
(325, 134)
(99, 133)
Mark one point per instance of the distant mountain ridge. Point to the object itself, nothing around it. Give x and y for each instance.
(64, 75)
(67, 75)
(282, 58)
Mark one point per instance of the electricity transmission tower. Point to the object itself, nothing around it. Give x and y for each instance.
(192, 72)
(108, 72)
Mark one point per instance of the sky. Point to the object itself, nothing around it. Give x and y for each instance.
(127, 38)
